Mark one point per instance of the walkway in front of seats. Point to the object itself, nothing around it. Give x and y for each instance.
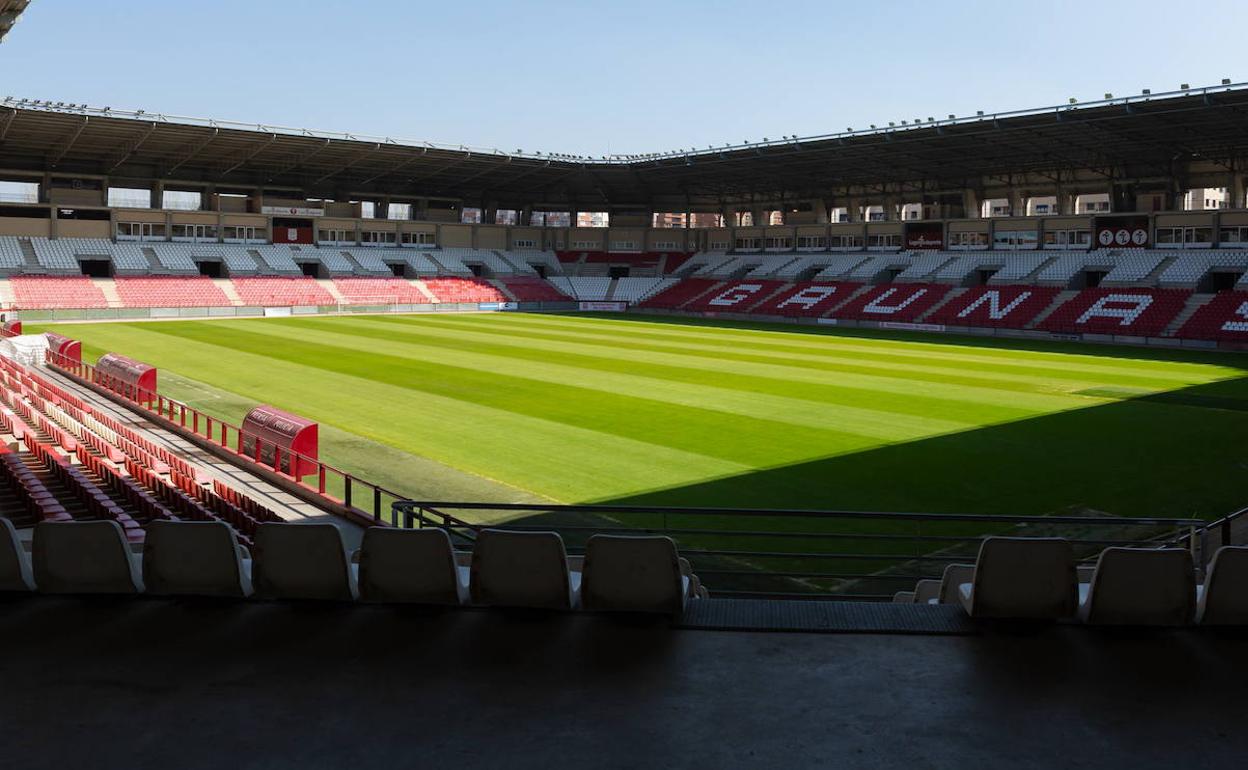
(281, 502)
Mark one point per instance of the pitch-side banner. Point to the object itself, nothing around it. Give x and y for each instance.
(1122, 232)
(604, 307)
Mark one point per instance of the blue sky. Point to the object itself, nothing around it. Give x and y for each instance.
(628, 77)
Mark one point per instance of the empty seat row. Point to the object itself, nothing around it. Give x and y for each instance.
(309, 562)
(1017, 578)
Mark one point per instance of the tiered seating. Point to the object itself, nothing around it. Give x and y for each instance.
(170, 291)
(590, 288)
(1016, 267)
(175, 257)
(11, 255)
(674, 260)
(902, 303)
(1134, 265)
(370, 260)
(54, 255)
(735, 297)
(840, 265)
(523, 258)
(770, 264)
(1190, 266)
(707, 262)
(527, 289)
(807, 300)
(1224, 318)
(42, 293)
(332, 259)
(280, 292)
(922, 265)
(1063, 269)
(238, 261)
(467, 290)
(1009, 307)
(634, 289)
(877, 264)
(277, 258)
(129, 258)
(379, 291)
(1136, 312)
(676, 296)
(450, 260)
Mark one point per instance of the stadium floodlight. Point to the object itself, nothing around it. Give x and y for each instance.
(1108, 95)
(1184, 86)
(1226, 81)
(1073, 100)
(952, 116)
(1147, 91)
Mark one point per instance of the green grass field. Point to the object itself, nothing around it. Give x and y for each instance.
(575, 409)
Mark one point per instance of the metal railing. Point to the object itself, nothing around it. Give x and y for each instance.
(784, 553)
(358, 498)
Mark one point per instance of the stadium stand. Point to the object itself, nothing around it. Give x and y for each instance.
(371, 260)
(674, 297)
(1133, 265)
(735, 297)
(840, 265)
(1136, 312)
(170, 291)
(923, 265)
(635, 289)
(129, 258)
(463, 290)
(583, 287)
(529, 289)
(175, 257)
(281, 292)
(1009, 307)
(333, 260)
(276, 258)
(807, 300)
(379, 291)
(11, 256)
(1189, 268)
(547, 259)
(1224, 318)
(893, 303)
(1017, 267)
(41, 293)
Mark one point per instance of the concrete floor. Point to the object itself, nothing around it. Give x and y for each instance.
(159, 684)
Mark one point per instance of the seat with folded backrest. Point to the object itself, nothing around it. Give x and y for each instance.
(1140, 587)
(410, 565)
(1023, 579)
(954, 576)
(522, 569)
(15, 574)
(84, 557)
(1223, 599)
(195, 558)
(633, 574)
(927, 592)
(302, 561)
(903, 597)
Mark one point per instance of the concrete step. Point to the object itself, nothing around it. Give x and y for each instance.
(423, 289)
(1061, 299)
(328, 285)
(951, 296)
(28, 253)
(7, 298)
(227, 288)
(1194, 303)
(108, 287)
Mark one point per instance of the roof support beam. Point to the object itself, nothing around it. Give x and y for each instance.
(359, 156)
(69, 142)
(247, 158)
(193, 150)
(132, 147)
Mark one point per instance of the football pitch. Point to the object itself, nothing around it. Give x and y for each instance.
(522, 407)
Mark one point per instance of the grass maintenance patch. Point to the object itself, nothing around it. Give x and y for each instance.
(662, 411)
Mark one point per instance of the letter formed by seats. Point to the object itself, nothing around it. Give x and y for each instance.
(1238, 326)
(877, 305)
(808, 297)
(735, 295)
(1111, 306)
(993, 300)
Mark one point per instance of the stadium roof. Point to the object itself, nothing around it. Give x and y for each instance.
(10, 10)
(1143, 137)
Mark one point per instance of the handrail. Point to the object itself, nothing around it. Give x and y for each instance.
(335, 486)
(831, 555)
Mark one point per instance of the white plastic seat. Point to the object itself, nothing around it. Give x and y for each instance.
(1140, 587)
(15, 574)
(1223, 599)
(903, 597)
(927, 592)
(410, 565)
(195, 558)
(302, 561)
(954, 576)
(633, 574)
(84, 557)
(522, 569)
(1023, 579)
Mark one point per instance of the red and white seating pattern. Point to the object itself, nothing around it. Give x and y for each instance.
(1136, 312)
(1007, 307)
(40, 293)
(735, 297)
(676, 296)
(170, 292)
(902, 303)
(807, 300)
(281, 292)
(465, 290)
(380, 291)
(1224, 318)
(534, 290)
